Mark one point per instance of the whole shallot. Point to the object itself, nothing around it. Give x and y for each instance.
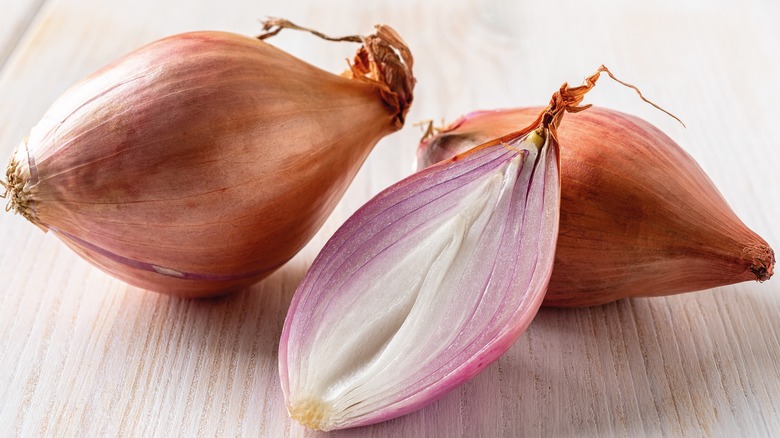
(202, 162)
(639, 217)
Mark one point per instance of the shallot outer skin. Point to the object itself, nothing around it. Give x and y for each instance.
(199, 163)
(639, 217)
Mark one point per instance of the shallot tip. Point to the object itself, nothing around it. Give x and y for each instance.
(763, 258)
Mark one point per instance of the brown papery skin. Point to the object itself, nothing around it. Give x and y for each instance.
(639, 217)
(210, 157)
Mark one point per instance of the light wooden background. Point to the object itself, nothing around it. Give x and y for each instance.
(82, 354)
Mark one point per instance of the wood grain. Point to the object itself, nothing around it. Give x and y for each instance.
(82, 354)
(14, 21)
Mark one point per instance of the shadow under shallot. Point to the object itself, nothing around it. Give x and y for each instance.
(679, 365)
(676, 365)
(238, 338)
(196, 365)
(644, 366)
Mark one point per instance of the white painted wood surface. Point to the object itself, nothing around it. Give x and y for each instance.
(82, 354)
(15, 17)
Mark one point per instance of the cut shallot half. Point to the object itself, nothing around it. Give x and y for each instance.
(423, 287)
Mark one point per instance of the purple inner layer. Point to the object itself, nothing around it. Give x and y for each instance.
(405, 192)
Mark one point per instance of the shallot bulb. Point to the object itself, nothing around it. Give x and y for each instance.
(429, 282)
(639, 217)
(202, 162)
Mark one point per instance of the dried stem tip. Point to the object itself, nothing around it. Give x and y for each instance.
(273, 26)
(384, 60)
(569, 99)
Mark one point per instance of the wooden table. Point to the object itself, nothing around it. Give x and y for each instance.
(82, 354)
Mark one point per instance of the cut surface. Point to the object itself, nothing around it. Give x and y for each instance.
(418, 291)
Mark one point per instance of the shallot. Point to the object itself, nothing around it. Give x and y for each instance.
(639, 217)
(202, 162)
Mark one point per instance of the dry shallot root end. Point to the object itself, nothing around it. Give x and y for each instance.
(384, 60)
(763, 261)
(569, 99)
(18, 189)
